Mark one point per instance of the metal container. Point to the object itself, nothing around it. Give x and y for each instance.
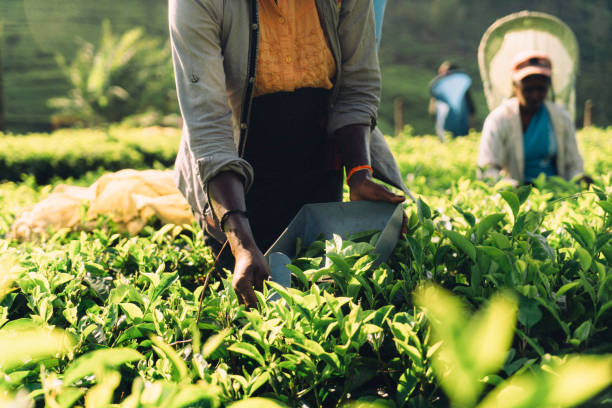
(327, 219)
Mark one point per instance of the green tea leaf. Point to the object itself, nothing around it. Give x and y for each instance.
(382, 315)
(540, 247)
(101, 394)
(257, 403)
(501, 241)
(132, 311)
(566, 287)
(519, 224)
(248, 350)
(583, 234)
(30, 345)
(99, 360)
(214, 342)
(445, 314)
(533, 342)
(135, 332)
(584, 258)
(95, 269)
(512, 200)
(487, 223)
(167, 279)
(523, 193)
(606, 206)
(603, 309)
(529, 312)
(180, 372)
(602, 240)
(499, 256)
(489, 333)
(405, 387)
(370, 402)
(462, 243)
(469, 217)
(578, 379)
(189, 395)
(339, 262)
(69, 396)
(583, 331)
(357, 249)
(423, 210)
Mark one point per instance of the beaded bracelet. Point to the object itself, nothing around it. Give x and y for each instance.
(228, 214)
(356, 169)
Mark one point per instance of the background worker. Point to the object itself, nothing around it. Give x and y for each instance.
(528, 135)
(451, 103)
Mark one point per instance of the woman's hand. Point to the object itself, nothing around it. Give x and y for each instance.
(362, 187)
(226, 192)
(250, 271)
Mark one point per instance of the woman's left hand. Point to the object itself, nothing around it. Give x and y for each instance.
(362, 187)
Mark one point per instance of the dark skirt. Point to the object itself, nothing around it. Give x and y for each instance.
(293, 160)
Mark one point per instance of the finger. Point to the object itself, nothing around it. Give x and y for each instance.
(386, 195)
(249, 298)
(396, 199)
(260, 277)
(244, 290)
(378, 192)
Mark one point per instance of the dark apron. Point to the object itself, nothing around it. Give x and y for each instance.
(293, 160)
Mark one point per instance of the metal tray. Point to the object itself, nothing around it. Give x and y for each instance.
(327, 219)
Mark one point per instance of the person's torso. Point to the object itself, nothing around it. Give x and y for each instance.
(539, 146)
(240, 32)
(508, 123)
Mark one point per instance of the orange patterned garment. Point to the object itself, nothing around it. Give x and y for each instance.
(293, 51)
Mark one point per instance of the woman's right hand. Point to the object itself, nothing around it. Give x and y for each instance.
(226, 193)
(250, 271)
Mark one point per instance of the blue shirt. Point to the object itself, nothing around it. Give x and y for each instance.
(540, 146)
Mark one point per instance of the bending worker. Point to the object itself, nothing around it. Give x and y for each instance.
(528, 135)
(451, 103)
(277, 97)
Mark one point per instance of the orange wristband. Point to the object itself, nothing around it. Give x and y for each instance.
(356, 169)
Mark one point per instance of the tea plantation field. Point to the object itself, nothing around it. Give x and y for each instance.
(496, 297)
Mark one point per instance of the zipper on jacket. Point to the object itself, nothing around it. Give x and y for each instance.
(245, 115)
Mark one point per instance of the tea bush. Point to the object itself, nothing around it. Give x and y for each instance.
(71, 153)
(497, 296)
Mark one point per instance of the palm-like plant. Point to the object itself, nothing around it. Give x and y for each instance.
(122, 76)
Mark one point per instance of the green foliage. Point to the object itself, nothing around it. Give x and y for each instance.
(119, 77)
(472, 350)
(68, 153)
(418, 35)
(433, 169)
(521, 314)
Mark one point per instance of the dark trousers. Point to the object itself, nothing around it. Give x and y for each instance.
(293, 159)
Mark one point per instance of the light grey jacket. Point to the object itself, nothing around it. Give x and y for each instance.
(501, 145)
(214, 50)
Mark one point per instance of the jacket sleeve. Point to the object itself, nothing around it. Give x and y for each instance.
(359, 88)
(195, 35)
(492, 151)
(574, 165)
